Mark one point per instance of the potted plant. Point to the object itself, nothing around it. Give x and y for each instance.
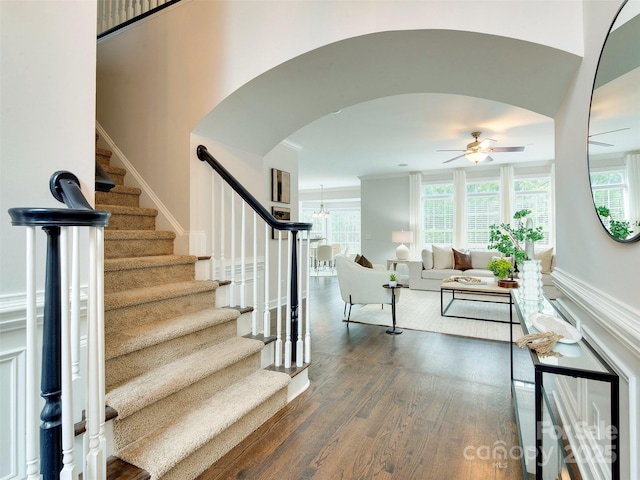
(500, 267)
(393, 281)
(619, 229)
(515, 241)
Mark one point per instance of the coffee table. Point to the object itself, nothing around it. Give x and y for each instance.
(487, 290)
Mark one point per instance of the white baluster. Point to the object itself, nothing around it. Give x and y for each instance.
(232, 286)
(254, 314)
(32, 389)
(119, 16)
(299, 343)
(153, 4)
(267, 279)
(307, 335)
(130, 10)
(221, 223)
(287, 343)
(137, 9)
(243, 257)
(68, 464)
(279, 304)
(212, 262)
(75, 302)
(101, 349)
(94, 460)
(146, 6)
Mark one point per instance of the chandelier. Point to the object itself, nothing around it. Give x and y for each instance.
(323, 212)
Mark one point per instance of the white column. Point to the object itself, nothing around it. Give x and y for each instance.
(460, 208)
(633, 179)
(507, 192)
(415, 214)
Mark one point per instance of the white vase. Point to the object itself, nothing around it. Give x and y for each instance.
(531, 281)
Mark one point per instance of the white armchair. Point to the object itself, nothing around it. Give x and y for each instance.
(361, 285)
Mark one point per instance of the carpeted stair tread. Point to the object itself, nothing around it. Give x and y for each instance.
(116, 264)
(142, 336)
(126, 210)
(139, 235)
(161, 450)
(172, 377)
(125, 189)
(115, 173)
(103, 156)
(141, 296)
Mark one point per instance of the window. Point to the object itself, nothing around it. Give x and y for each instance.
(342, 226)
(534, 193)
(483, 210)
(437, 213)
(609, 189)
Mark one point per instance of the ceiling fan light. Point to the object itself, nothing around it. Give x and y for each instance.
(476, 157)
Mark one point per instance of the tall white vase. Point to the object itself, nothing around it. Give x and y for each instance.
(531, 281)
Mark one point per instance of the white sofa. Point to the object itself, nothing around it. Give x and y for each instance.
(438, 263)
(362, 285)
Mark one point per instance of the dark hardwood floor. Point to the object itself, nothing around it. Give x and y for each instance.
(413, 406)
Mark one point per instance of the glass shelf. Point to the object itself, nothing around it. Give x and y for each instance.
(558, 401)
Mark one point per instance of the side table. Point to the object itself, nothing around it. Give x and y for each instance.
(393, 330)
(393, 262)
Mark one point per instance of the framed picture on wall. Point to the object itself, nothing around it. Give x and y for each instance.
(280, 186)
(284, 215)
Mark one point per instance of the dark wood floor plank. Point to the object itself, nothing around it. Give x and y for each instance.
(412, 406)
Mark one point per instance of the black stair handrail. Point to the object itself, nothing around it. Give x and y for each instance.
(273, 222)
(65, 187)
(293, 227)
(137, 18)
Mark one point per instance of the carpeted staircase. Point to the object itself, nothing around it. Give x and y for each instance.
(186, 388)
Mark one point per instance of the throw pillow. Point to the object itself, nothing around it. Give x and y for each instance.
(427, 258)
(442, 257)
(364, 262)
(545, 257)
(461, 260)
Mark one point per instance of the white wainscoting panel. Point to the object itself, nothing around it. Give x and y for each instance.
(613, 329)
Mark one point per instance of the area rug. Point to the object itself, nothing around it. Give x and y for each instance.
(420, 310)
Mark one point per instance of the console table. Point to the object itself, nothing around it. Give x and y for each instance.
(568, 414)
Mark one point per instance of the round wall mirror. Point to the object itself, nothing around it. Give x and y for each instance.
(614, 128)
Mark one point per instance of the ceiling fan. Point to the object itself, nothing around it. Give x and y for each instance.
(602, 144)
(478, 151)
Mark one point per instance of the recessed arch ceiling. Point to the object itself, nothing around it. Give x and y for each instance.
(465, 66)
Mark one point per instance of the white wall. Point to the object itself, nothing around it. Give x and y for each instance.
(47, 81)
(159, 80)
(597, 275)
(384, 208)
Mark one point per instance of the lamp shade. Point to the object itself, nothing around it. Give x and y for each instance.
(402, 236)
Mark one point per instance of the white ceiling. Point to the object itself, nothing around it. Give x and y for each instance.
(377, 137)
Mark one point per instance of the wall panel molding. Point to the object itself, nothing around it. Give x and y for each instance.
(620, 320)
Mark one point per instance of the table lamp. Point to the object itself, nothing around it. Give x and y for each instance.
(402, 237)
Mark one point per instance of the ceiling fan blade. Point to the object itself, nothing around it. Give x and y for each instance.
(486, 160)
(601, 144)
(610, 131)
(507, 149)
(454, 158)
